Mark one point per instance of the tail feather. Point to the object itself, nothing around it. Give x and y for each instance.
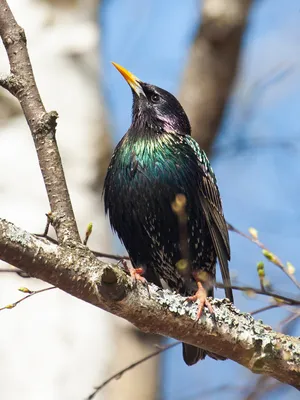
(192, 354)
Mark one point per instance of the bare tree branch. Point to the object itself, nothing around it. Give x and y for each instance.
(129, 367)
(31, 293)
(21, 84)
(250, 289)
(75, 269)
(212, 66)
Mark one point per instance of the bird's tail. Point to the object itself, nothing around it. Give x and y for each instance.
(192, 354)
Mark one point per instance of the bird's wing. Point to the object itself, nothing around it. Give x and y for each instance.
(212, 207)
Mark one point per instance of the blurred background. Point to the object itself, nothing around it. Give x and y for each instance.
(235, 66)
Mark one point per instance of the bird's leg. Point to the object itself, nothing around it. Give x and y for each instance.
(135, 273)
(200, 295)
(124, 265)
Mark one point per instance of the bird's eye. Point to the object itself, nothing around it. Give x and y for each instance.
(155, 98)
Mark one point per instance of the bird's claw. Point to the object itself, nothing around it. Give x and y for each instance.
(136, 275)
(201, 295)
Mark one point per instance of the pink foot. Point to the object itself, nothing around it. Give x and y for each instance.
(136, 275)
(201, 295)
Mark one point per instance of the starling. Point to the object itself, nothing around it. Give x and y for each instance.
(163, 202)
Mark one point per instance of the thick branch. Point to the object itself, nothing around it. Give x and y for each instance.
(232, 334)
(212, 66)
(21, 84)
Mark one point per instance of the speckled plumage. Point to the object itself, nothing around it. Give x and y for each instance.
(156, 160)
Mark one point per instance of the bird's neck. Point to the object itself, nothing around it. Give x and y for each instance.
(148, 144)
(151, 136)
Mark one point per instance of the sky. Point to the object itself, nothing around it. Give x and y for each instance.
(256, 155)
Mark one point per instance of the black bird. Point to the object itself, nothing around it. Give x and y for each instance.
(157, 171)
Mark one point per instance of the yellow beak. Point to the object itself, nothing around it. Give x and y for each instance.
(131, 79)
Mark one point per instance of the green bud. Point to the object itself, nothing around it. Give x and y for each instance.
(261, 269)
(270, 256)
(89, 229)
(24, 290)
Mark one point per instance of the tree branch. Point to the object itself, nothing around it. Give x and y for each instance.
(212, 66)
(21, 84)
(230, 333)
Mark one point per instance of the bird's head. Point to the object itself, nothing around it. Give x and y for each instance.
(155, 108)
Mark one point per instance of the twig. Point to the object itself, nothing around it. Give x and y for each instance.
(288, 320)
(287, 300)
(96, 253)
(21, 84)
(266, 308)
(14, 270)
(31, 293)
(275, 260)
(262, 386)
(129, 367)
(46, 230)
(111, 256)
(41, 235)
(17, 271)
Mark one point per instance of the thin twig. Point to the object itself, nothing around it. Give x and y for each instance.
(46, 230)
(14, 270)
(287, 300)
(32, 293)
(288, 320)
(17, 271)
(275, 259)
(266, 308)
(111, 256)
(96, 253)
(262, 386)
(41, 235)
(129, 367)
